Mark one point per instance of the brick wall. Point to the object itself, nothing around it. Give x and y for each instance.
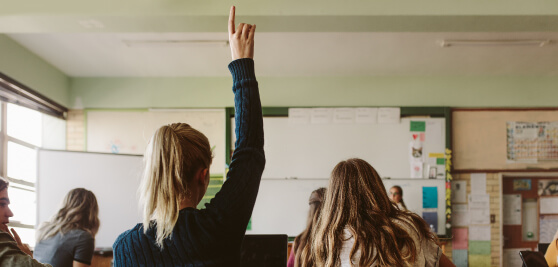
(75, 130)
(493, 188)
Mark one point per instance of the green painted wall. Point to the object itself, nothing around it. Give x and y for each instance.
(320, 91)
(31, 70)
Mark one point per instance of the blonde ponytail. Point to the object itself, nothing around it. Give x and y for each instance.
(171, 159)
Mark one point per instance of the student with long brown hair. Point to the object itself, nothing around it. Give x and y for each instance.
(68, 239)
(360, 226)
(315, 203)
(176, 175)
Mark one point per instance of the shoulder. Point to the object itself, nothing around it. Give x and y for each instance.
(126, 236)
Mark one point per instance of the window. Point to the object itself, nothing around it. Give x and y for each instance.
(22, 131)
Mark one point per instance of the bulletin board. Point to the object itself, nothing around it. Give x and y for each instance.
(481, 138)
(300, 158)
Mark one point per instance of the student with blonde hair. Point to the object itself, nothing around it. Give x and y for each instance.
(68, 239)
(12, 251)
(176, 176)
(360, 226)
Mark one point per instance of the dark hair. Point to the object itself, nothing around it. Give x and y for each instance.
(3, 183)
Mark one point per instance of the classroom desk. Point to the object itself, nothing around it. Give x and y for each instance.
(101, 259)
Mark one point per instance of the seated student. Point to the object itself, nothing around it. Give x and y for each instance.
(12, 251)
(359, 226)
(176, 176)
(551, 254)
(68, 239)
(315, 202)
(396, 196)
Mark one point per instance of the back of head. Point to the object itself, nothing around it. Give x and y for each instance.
(79, 211)
(315, 202)
(172, 157)
(356, 200)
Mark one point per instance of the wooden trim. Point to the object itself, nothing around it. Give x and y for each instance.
(15, 92)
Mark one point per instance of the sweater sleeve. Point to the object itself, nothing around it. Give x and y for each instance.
(232, 207)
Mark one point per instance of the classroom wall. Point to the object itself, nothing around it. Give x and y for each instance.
(193, 92)
(31, 70)
(493, 188)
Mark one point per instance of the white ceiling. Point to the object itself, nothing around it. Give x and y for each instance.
(294, 54)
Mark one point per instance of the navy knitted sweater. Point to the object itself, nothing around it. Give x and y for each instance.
(212, 236)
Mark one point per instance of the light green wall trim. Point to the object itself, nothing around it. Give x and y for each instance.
(31, 70)
(298, 23)
(284, 7)
(320, 91)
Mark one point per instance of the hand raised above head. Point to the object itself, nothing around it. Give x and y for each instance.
(241, 40)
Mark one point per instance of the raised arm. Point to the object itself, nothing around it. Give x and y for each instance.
(232, 206)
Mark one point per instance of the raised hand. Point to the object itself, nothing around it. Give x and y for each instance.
(241, 40)
(20, 245)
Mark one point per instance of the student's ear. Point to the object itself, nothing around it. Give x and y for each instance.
(202, 175)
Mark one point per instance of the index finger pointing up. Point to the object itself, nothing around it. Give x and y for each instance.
(231, 21)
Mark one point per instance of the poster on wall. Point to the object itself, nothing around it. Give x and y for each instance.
(532, 142)
(548, 187)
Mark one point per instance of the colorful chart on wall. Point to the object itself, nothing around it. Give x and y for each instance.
(532, 141)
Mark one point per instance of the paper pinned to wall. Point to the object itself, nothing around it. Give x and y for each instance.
(299, 115)
(478, 183)
(321, 115)
(460, 238)
(460, 215)
(548, 228)
(479, 233)
(429, 197)
(512, 209)
(389, 115)
(343, 115)
(366, 115)
(460, 257)
(479, 260)
(479, 248)
(479, 209)
(459, 191)
(431, 218)
(548, 205)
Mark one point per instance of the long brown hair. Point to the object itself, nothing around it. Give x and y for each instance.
(79, 211)
(356, 200)
(172, 157)
(315, 202)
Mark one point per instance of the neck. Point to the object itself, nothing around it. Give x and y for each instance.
(188, 203)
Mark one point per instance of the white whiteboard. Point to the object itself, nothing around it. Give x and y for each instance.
(300, 158)
(114, 180)
(128, 132)
(310, 151)
(282, 205)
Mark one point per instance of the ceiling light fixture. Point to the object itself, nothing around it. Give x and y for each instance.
(161, 43)
(502, 42)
